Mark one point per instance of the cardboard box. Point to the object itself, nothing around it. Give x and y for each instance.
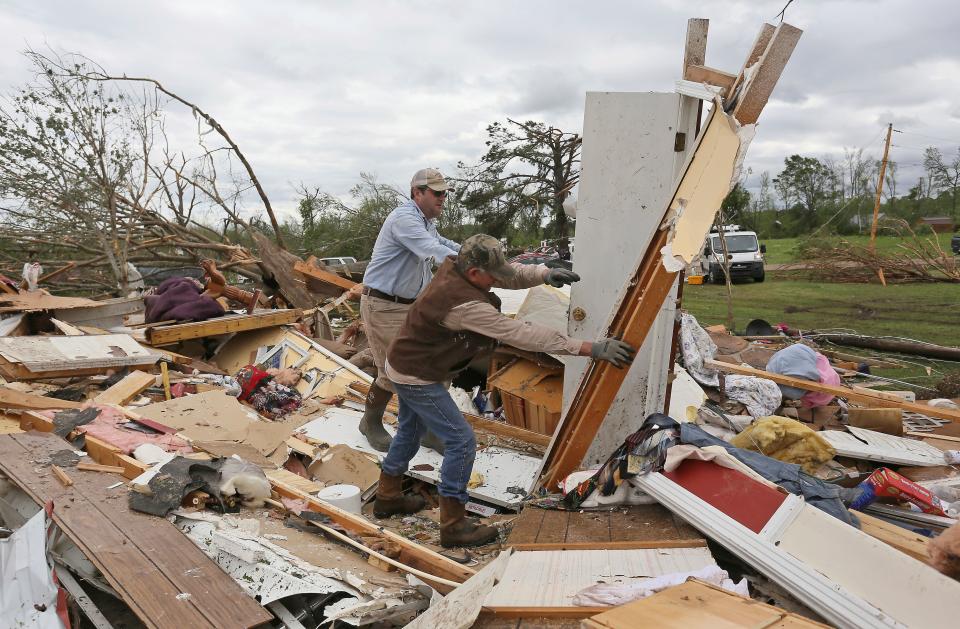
(532, 395)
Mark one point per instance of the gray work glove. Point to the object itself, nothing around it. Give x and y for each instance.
(613, 351)
(559, 277)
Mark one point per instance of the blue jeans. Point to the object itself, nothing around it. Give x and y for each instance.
(430, 407)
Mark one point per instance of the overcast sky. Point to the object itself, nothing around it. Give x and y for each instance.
(317, 91)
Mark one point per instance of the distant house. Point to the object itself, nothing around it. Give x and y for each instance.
(866, 220)
(939, 224)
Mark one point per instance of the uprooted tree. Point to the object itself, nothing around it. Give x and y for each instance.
(526, 174)
(88, 174)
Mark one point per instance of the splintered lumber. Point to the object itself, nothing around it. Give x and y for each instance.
(127, 390)
(327, 277)
(696, 604)
(146, 559)
(11, 398)
(711, 76)
(277, 264)
(411, 553)
(900, 538)
(860, 395)
(169, 334)
(758, 87)
(96, 467)
(61, 475)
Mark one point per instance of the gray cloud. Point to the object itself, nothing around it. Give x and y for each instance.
(315, 92)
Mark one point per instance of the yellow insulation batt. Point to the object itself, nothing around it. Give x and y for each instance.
(785, 440)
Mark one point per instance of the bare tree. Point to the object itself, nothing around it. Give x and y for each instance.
(944, 175)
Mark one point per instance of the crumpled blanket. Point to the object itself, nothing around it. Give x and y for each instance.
(762, 397)
(800, 361)
(180, 299)
(697, 346)
(635, 589)
(261, 391)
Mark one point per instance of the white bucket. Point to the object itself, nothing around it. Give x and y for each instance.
(346, 497)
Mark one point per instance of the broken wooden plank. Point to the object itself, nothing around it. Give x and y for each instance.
(413, 554)
(711, 76)
(756, 52)
(61, 475)
(758, 87)
(169, 334)
(97, 467)
(697, 604)
(58, 353)
(11, 398)
(611, 545)
(695, 48)
(127, 390)
(900, 538)
(277, 265)
(868, 398)
(66, 328)
(542, 612)
(147, 560)
(326, 277)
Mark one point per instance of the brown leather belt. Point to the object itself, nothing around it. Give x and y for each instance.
(373, 292)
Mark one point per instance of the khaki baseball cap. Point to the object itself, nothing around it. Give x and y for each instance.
(485, 252)
(431, 178)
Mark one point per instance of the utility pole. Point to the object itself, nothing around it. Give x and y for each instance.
(876, 204)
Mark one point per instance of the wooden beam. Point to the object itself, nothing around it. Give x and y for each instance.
(900, 538)
(711, 76)
(125, 391)
(415, 555)
(765, 74)
(99, 467)
(605, 545)
(543, 612)
(756, 52)
(324, 276)
(865, 396)
(11, 398)
(169, 334)
(695, 49)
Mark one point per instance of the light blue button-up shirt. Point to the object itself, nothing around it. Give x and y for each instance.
(406, 249)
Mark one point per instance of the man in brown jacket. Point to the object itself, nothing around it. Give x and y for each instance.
(452, 321)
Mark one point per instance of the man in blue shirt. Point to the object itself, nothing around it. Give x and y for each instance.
(407, 249)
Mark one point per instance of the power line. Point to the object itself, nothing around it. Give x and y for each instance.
(931, 137)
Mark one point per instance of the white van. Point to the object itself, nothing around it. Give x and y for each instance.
(743, 249)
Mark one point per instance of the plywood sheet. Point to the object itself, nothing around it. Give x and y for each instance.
(696, 604)
(552, 578)
(40, 301)
(48, 353)
(860, 443)
(501, 468)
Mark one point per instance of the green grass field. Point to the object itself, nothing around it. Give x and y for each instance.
(925, 312)
(784, 250)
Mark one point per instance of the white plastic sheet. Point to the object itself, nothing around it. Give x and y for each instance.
(28, 595)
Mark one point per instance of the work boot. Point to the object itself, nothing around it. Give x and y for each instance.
(371, 426)
(391, 500)
(430, 440)
(458, 530)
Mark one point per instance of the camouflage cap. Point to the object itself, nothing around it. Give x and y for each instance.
(485, 252)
